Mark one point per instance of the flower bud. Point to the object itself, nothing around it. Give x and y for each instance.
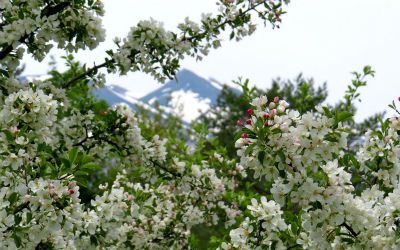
(244, 135)
(248, 121)
(266, 116)
(266, 124)
(14, 130)
(71, 191)
(280, 109)
(72, 184)
(249, 111)
(240, 123)
(272, 105)
(66, 191)
(276, 99)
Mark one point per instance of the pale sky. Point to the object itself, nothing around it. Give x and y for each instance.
(323, 39)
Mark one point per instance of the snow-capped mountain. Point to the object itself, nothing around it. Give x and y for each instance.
(195, 93)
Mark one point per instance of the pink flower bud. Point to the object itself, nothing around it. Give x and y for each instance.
(71, 191)
(14, 129)
(273, 112)
(266, 116)
(249, 111)
(272, 105)
(266, 124)
(276, 99)
(72, 184)
(244, 135)
(248, 121)
(101, 112)
(56, 197)
(240, 123)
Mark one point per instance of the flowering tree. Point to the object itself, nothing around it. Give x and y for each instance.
(51, 138)
(314, 202)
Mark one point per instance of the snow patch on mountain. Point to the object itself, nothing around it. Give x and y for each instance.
(192, 105)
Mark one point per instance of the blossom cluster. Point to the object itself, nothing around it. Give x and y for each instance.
(36, 23)
(152, 49)
(312, 181)
(52, 137)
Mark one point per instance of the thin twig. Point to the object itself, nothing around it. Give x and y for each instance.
(88, 72)
(354, 173)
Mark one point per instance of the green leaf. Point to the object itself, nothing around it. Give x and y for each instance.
(17, 240)
(282, 173)
(28, 217)
(91, 166)
(93, 240)
(23, 129)
(294, 228)
(249, 148)
(151, 208)
(9, 136)
(81, 173)
(261, 156)
(232, 35)
(327, 112)
(260, 123)
(4, 73)
(82, 182)
(343, 115)
(73, 154)
(281, 155)
(13, 198)
(87, 158)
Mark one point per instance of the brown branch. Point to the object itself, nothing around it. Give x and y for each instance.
(369, 183)
(88, 72)
(349, 228)
(293, 246)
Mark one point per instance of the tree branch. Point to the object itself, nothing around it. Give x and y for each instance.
(354, 173)
(349, 228)
(88, 72)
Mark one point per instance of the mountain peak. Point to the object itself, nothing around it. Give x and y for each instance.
(196, 94)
